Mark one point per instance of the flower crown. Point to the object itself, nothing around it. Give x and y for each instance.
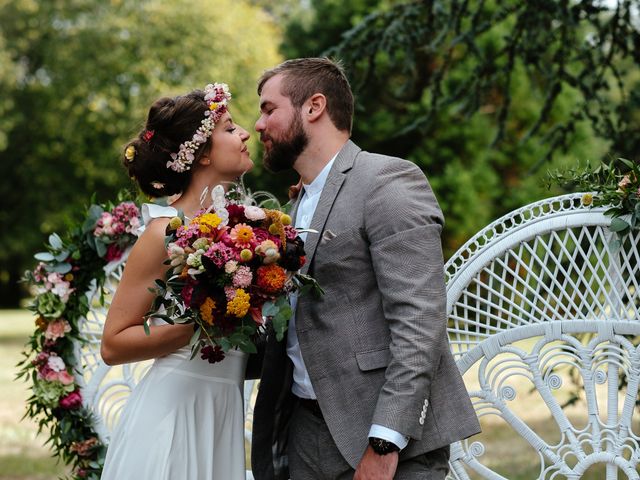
(217, 96)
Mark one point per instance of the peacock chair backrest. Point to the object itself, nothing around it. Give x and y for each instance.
(544, 322)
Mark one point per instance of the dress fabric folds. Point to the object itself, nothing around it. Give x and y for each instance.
(184, 420)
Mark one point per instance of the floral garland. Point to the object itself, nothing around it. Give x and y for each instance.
(60, 281)
(617, 185)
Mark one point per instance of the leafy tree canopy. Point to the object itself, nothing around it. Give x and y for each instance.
(77, 78)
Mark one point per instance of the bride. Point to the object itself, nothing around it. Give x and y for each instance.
(185, 417)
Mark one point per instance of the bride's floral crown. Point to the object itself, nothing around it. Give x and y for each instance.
(217, 96)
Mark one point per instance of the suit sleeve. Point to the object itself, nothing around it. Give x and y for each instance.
(403, 223)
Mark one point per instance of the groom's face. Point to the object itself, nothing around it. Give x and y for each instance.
(280, 128)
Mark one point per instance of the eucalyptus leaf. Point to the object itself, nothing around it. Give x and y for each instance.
(61, 268)
(101, 248)
(225, 344)
(248, 347)
(44, 257)
(55, 241)
(618, 225)
(62, 256)
(269, 309)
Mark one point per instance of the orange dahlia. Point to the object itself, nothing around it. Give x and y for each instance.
(271, 278)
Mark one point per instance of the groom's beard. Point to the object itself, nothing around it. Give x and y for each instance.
(284, 153)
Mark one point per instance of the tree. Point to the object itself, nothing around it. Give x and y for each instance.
(77, 78)
(483, 95)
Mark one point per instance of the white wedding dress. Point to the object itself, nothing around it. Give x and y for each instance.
(184, 420)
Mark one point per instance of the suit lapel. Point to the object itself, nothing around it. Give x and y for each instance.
(294, 208)
(343, 163)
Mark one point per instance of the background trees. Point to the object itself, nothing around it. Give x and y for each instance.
(77, 77)
(484, 95)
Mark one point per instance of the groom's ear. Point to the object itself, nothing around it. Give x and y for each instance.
(315, 106)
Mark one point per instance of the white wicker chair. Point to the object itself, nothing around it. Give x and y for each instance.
(536, 299)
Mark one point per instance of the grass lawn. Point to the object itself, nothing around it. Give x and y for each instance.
(22, 455)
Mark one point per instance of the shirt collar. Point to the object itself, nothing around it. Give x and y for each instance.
(317, 185)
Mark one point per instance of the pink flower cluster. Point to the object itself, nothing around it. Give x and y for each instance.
(52, 282)
(124, 218)
(117, 228)
(72, 400)
(57, 329)
(52, 368)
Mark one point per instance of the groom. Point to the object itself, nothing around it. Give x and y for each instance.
(365, 386)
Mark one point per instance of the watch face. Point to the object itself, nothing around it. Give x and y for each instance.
(382, 447)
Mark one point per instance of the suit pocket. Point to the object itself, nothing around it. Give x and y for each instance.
(373, 359)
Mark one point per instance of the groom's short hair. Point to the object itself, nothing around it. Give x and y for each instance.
(304, 77)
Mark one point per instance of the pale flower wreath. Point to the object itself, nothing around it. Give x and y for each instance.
(217, 96)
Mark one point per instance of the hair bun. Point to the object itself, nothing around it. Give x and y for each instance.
(172, 120)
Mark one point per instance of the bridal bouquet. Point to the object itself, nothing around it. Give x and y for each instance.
(232, 268)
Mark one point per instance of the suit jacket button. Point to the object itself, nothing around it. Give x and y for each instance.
(421, 421)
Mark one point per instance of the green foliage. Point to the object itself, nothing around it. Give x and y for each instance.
(70, 267)
(616, 185)
(481, 94)
(77, 77)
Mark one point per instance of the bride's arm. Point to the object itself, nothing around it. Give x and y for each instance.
(124, 339)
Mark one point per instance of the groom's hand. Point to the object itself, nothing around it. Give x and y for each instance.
(376, 467)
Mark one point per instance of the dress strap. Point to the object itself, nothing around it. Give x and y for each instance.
(150, 211)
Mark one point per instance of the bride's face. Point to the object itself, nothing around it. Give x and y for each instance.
(229, 154)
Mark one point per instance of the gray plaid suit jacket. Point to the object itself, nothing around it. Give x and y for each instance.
(375, 344)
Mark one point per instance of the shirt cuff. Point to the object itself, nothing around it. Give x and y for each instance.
(378, 431)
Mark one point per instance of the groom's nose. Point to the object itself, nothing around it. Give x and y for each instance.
(260, 124)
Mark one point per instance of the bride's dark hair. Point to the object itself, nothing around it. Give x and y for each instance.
(170, 122)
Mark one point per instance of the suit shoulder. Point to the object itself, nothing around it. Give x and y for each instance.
(373, 165)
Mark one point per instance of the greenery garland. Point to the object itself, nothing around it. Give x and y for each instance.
(615, 184)
(69, 268)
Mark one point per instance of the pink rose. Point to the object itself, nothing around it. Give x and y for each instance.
(71, 401)
(50, 376)
(65, 378)
(57, 329)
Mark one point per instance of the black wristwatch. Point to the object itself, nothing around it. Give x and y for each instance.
(382, 447)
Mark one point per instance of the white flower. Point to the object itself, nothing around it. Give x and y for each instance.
(62, 290)
(217, 197)
(254, 213)
(195, 260)
(231, 266)
(55, 363)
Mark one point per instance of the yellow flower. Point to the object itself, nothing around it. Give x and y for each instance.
(208, 222)
(175, 222)
(587, 199)
(239, 306)
(130, 153)
(246, 255)
(285, 219)
(206, 310)
(213, 106)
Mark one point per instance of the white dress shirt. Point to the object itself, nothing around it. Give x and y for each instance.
(301, 382)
